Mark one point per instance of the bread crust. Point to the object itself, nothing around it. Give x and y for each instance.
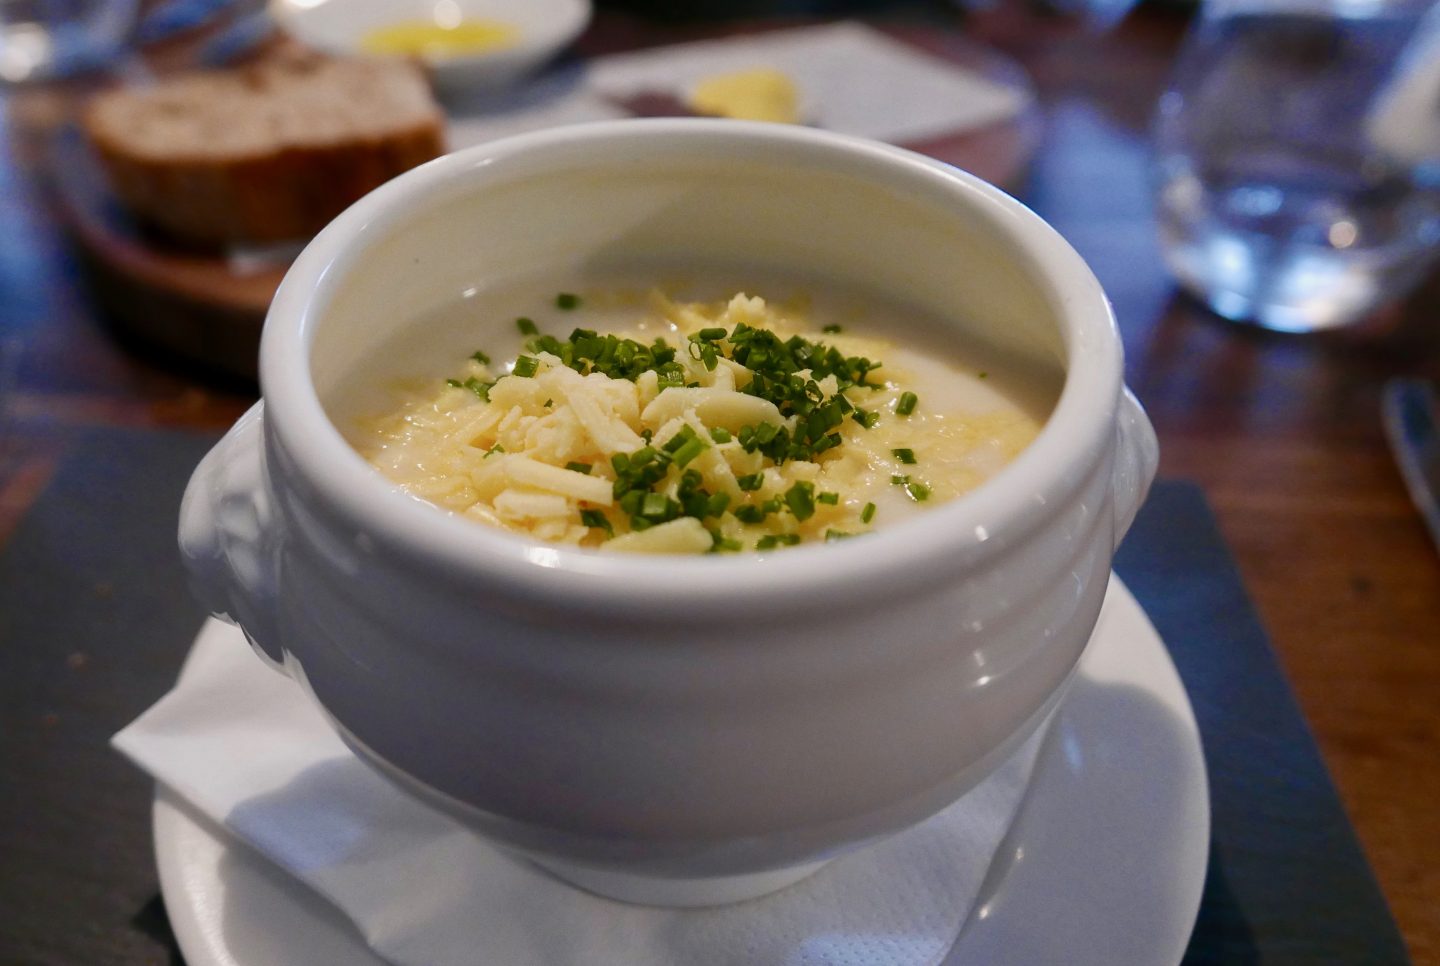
(279, 192)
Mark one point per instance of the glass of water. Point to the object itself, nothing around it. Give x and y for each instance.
(1298, 157)
(44, 39)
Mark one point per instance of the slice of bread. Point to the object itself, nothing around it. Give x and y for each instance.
(264, 153)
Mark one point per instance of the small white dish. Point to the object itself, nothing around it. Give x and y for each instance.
(1104, 864)
(543, 27)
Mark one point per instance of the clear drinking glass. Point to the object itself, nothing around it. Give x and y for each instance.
(1298, 157)
(44, 39)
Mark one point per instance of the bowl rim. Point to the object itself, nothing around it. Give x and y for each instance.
(892, 562)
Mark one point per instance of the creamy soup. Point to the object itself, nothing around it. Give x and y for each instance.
(635, 421)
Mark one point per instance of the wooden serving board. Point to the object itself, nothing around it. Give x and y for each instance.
(203, 307)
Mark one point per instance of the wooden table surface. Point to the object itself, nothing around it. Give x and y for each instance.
(1282, 432)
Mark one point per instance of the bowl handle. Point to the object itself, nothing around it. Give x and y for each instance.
(1136, 457)
(229, 537)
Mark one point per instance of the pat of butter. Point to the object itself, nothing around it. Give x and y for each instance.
(427, 38)
(761, 94)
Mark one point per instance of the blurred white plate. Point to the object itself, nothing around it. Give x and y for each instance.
(1104, 863)
(543, 26)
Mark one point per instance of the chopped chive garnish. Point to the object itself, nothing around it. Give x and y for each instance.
(773, 540)
(658, 508)
(723, 544)
(579, 467)
(830, 499)
(906, 405)
(750, 482)
(497, 448)
(597, 519)
(800, 498)
(526, 366)
(832, 535)
(720, 434)
(710, 334)
(527, 326)
(705, 352)
(983, 375)
(685, 435)
(692, 448)
(865, 418)
(832, 328)
(904, 455)
(867, 514)
(899, 479)
(567, 301)
(918, 492)
(480, 357)
(750, 513)
(481, 389)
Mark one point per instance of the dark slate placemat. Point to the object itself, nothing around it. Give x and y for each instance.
(95, 620)
(1287, 882)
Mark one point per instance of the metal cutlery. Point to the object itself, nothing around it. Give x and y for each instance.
(1411, 410)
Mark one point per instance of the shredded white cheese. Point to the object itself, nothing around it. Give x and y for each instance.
(537, 456)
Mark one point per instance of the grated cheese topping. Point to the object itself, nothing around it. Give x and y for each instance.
(670, 461)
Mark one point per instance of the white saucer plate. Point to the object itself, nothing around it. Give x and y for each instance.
(1104, 864)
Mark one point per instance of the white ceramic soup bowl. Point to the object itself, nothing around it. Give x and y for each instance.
(678, 730)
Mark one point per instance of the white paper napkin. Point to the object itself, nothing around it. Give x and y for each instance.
(850, 79)
(247, 748)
